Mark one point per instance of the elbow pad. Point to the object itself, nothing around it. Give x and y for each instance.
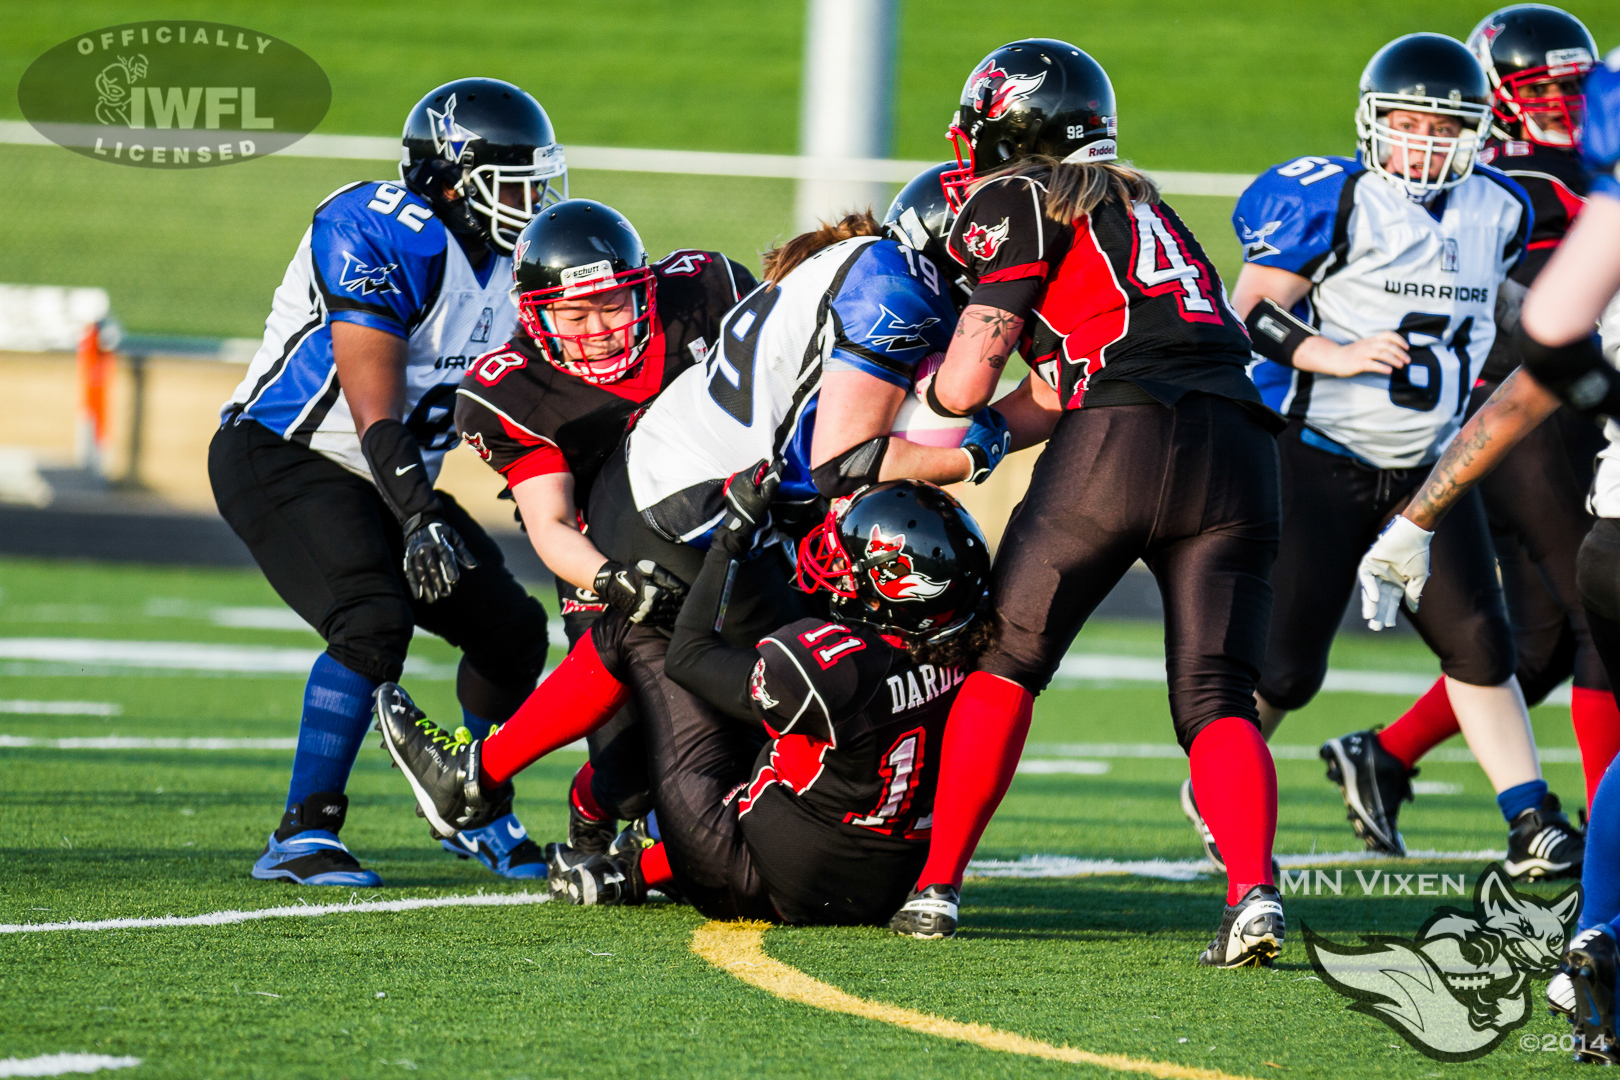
(852, 470)
(1576, 372)
(1276, 334)
(396, 464)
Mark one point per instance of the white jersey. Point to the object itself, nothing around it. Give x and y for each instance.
(1379, 261)
(863, 304)
(1605, 498)
(374, 256)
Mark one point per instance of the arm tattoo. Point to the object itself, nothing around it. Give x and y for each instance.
(1448, 481)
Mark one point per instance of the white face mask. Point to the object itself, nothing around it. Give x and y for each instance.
(1442, 162)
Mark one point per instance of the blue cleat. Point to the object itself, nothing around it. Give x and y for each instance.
(306, 850)
(503, 846)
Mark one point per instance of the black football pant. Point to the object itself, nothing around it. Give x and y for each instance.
(1189, 490)
(1535, 502)
(1333, 509)
(1598, 575)
(332, 550)
(618, 752)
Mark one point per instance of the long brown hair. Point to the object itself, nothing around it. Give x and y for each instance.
(1075, 190)
(782, 259)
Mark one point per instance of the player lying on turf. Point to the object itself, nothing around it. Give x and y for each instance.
(1370, 286)
(600, 333)
(1561, 355)
(326, 455)
(1535, 502)
(1161, 450)
(830, 823)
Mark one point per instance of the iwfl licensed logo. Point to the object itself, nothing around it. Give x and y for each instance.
(1456, 989)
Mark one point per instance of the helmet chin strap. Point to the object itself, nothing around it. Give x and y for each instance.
(429, 179)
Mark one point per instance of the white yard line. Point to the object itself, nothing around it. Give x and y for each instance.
(1553, 755)
(299, 911)
(62, 1064)
(185, 656)
(61, 708)
(699, 162)
(136, 742)
(1069, 866)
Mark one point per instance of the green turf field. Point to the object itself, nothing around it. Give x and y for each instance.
(1227, 87)
(1102, 963)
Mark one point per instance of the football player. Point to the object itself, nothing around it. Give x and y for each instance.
(601, 331)
(830, 823)
(1561, 355)
(327, 452)
(1535, 57)
(1162, 450)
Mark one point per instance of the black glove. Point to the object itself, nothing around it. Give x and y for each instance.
(645, 593)
(434, 555)
(748, 497)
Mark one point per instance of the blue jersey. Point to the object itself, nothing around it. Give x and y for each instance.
(1600, 138)
(865, 304)
(1379, 261)
(375, 256)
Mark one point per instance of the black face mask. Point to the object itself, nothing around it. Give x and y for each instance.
(429, 179)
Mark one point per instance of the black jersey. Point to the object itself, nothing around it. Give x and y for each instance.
(527, 418)
(1556, 183)
(856, 726)
(1124, 295)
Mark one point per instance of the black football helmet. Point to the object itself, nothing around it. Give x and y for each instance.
(920, 217)
(1423, 73)
(572, 250)
(483, 138)
(1529, 44)
(901, 556)
(1036, 96)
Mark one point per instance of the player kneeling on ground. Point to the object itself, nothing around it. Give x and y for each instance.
(831, 823)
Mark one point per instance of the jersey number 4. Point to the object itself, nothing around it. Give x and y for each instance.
(1161, 263)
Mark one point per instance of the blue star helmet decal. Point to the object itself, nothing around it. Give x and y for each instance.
(449, 137)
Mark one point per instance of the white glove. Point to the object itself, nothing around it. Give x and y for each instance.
(1397, 564)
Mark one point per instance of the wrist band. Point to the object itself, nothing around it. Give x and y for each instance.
(933, 402)
(1276, 334)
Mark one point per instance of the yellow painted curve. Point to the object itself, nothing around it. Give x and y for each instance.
(739, 948)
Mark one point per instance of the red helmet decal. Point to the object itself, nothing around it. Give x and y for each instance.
(983, 243)
(994, 91)
(897, 580)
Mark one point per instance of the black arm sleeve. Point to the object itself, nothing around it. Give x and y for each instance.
(1276, 334)
(396, 464)
(852, 470)
(699, 660)
(1576, 372)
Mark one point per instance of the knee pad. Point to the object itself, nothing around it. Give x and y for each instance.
(371, 637)
(488, 698)
(1597, 570)
(1492, 658)
(1289, 690)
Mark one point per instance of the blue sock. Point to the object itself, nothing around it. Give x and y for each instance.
(337, 714)
(652, 825)
(1600, 873)
(479, 727)
(1516, 800)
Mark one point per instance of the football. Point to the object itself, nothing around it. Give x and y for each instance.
(916, 422)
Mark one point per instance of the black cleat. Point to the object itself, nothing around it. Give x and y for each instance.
(1189, 806)
(928, 914)
(1374, 783)
(305, 849)
(1252, 931)
(1591, 963)
(597, 879)
(1543, 844)
(442, 770)
(587, 835)
(1561, 990)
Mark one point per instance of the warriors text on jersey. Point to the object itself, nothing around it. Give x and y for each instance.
(375, 256)
(864, 304)
(1378, 260)
(527, 418)
(1124, 295)
(857, 726)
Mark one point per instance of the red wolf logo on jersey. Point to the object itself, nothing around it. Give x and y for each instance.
(999, 98)
(982, 243)
(896, 580)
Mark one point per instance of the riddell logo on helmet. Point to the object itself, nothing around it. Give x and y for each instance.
(897, 580)
(992, 91)
(982, 242)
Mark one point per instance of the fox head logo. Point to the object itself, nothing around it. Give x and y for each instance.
(983, 242)
(895, 579)
(992, 91)
(1457, 989)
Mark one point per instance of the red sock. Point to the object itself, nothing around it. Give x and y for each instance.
(1427, 724)
(655, 869)
(579, 794)
(573, 701)
(983, 740)
(1597, 730)
(1235, 784)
